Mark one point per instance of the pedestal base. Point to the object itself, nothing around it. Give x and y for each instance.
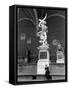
(60, 57)
(43, 59)
(60, 61)
(41, 66)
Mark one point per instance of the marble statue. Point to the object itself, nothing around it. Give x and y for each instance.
(43, 55)
(43, 32)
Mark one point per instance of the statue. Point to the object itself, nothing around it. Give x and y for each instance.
(60, 51)
(43, 56)
(58, 44)
(44, 29)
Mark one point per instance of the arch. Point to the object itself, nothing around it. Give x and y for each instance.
(27, 19)
(53, 15)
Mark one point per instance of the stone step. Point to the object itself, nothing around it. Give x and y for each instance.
(31, 69)
(58, 77)
(31, 78)
(39, 77)
(57, 69)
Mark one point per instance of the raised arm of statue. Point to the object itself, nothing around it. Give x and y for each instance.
(44, 17)
(42, 21)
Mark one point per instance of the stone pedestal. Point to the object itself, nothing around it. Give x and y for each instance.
(43, 59)
(60, 57)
